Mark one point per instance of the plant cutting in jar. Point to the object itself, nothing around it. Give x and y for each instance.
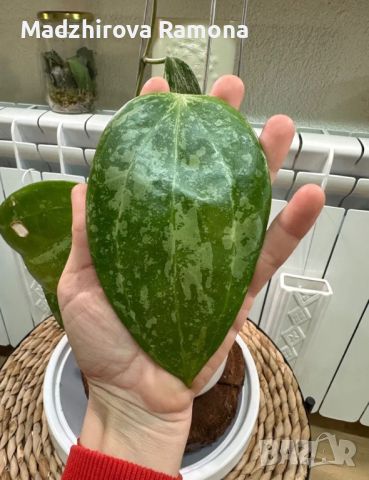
(71, 81)
(69, 66)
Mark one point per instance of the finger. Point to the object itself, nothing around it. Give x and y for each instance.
(285, 233)
(155, 85)
(276, 139)
(79, 257)
(230, 89)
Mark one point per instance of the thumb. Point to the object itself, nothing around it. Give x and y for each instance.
(79, 257)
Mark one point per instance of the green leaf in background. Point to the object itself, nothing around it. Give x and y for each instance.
(36, 222)
(80, 74)
(180, 77)
(87, 57)
(177, 206)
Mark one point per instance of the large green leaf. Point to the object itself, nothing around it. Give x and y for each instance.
(80, 73)
(177, 206)
(86, 56)
(36, 221)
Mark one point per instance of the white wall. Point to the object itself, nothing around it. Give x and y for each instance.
(308, 59)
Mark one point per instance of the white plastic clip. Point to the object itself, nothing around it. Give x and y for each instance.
(24, 176)
(299, 301)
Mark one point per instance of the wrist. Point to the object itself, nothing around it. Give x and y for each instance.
(120, 428)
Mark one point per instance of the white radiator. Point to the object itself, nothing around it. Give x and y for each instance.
(36, 144)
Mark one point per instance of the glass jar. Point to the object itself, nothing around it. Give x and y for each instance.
(68, 63)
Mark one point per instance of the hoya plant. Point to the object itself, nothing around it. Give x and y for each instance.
(177, 207)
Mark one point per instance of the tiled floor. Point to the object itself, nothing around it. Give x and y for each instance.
(354, 432)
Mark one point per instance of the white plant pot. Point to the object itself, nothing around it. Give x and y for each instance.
(215, 378)
(65, 405)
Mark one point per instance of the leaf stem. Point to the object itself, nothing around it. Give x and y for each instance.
(154, 61)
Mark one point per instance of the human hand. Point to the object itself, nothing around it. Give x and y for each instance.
(137, 410)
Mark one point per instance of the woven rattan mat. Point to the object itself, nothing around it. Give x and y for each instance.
(26, 451)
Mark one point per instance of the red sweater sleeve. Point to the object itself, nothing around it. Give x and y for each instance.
(85, 464)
